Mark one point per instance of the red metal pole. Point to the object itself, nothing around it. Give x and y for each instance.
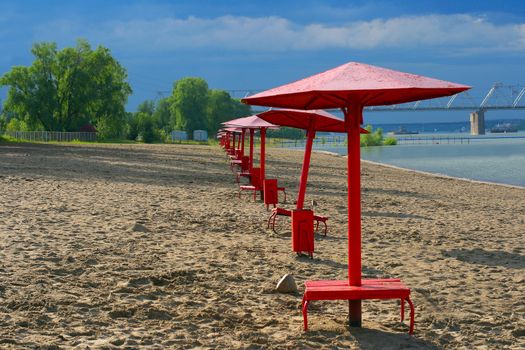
(252, 131)
(242, 142)
(310, 135)
(239, 141)
(233, 137)
(263, 141)
(353, 117)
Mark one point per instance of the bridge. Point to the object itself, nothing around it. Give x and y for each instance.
(498, 97)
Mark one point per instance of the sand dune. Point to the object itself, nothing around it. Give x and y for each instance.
(147, 246)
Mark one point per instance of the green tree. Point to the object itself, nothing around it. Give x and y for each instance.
(15, 125)
(32, 95)
(146, 127)
(376, 138)
(390, 141)
(109, 91)
(240, 109)
(63, 90)
(220, 109)
(192, 106)
(189, 102)
(287, 133)
(147, 107)
(162, 115)
(132, 131)
(3, 120)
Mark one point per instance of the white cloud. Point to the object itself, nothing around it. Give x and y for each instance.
(458, 33)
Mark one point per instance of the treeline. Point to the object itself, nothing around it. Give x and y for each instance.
(64, 90)
(191, 106)
(82, 89)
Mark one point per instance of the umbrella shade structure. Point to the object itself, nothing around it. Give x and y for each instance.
(230, 135)
(350, 87)
(311, 121)
(252, 123)
(224, 136)
(354, 83)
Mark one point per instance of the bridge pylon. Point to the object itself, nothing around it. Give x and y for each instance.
(477, 122)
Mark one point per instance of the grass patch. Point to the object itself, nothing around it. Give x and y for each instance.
(9, 139)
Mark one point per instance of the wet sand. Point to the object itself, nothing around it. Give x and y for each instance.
(148, 247)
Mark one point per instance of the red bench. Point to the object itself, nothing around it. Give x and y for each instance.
(256, 185)
(243, 163)
(242, 174)
(370, 289)
(284, 212)
(235, 162)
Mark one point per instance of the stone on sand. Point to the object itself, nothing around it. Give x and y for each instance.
(286, 284)
(139, 228)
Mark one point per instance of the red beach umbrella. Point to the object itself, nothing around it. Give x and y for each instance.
(311, 121)
(252, 123)
(231, 131)
(350, 87)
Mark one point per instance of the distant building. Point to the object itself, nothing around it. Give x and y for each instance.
(200, 135)
(178, 135)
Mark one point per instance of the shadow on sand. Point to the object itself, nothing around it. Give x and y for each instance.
(488, 258)
(148, 164)
(372, 339)
(394, 215)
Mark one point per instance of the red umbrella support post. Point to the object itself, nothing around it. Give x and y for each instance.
(252, 132)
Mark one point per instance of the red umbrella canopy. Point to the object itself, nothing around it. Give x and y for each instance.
(353, 83)
(232, 129)
(251, 122)
(318, 119)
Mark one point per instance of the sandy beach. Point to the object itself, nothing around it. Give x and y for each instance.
(148, 247)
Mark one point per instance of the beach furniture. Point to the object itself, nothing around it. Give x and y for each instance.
(241, 162)
(247, 172)
(369, 289)
(255, 183)
(285, 212)
(271, 192)
(233, 149)
(350, 87)
(257, 178)
(303, 219)
(224, 139)
(228, 140)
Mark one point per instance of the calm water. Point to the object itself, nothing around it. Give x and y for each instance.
(501, 161)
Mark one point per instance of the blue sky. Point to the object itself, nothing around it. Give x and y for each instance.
(262, 44)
